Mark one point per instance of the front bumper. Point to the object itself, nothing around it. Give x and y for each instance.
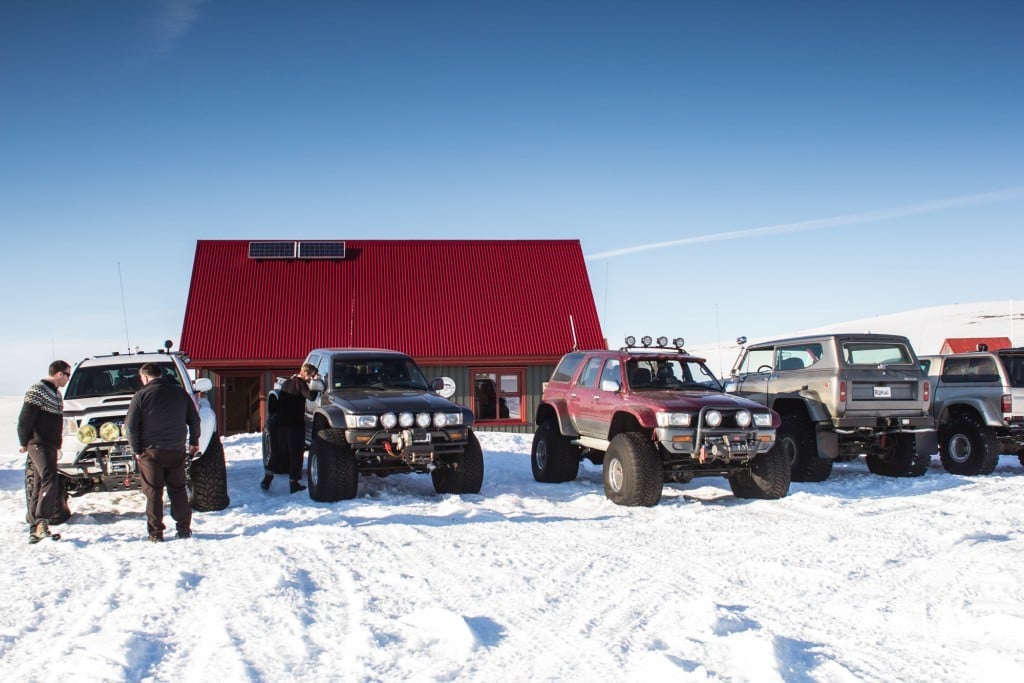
(416, 448)
(715, 445)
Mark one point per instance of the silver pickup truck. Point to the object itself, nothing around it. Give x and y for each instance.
(841, 396)
(978, 400)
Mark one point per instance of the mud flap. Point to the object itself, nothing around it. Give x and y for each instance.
(926, 443)
(828, 444)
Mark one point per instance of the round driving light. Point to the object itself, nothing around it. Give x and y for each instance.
(86, 433)
(743, 419)
(713, 418)
(678, 342)
(440, 420)
(646, 340)
(630, 341)
(423, 420)
(405, 419)
(388, 420)
(662, 341)
(109, 431)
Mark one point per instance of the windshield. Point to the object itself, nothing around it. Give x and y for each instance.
(110, 380)
(377, 373)
(670, 373)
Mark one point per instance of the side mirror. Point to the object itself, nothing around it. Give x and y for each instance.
(316, 385)
(611, 385)
(203, 385)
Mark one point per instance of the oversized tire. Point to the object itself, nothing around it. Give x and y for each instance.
(208, 479)
(461, 474)
(332, 473)
(553, 458)
(63, 511)
(795, 439)
(633, 473)
(966, 446)
(1020, 457)
(767, 478)
(272, 451)
(899, 458)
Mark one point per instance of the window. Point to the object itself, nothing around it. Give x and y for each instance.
(798, 357)
(498, 394)
(968, 370)
(612, 371)
(876, 353)
(567, 368)
(588, 378)
(758, 360)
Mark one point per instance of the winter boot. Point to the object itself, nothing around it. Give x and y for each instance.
(40, 531)
(265, 484)
(295, 486)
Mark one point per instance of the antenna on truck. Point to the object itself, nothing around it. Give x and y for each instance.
(124, 309)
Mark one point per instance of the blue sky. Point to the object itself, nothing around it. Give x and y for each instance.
(799, 163)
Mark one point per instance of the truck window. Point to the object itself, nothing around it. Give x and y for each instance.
(969, 370)
(590, 373)
(567, 368)
(757, 358)
(612, 371)
(876, 353)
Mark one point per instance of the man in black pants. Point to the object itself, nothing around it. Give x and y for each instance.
(40, 433)
(156, 421)
(291, 425)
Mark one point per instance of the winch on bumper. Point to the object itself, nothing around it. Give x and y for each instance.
(102, 467)
(418, 448)
(706, 445)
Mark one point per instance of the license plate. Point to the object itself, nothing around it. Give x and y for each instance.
(883, 392)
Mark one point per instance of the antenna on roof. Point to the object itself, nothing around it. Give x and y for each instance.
(572, 327)
(124, 309)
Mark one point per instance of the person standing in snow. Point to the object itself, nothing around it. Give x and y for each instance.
(291, 425)
(40, 433)
(156, 423)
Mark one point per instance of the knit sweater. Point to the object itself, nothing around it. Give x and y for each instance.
(42, 416)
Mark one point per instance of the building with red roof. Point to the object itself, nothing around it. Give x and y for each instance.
(494, 315)
(968, 344)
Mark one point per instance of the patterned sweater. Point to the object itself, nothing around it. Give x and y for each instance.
(42, 416)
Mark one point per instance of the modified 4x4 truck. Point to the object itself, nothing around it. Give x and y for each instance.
(652, 414)
(840, 396)
(95, 455)
(978, 400)
(371, 411)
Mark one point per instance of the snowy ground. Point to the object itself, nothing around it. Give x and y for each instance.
(858, 578)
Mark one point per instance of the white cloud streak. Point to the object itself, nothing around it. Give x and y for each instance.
(1010, 194)
(172, 21)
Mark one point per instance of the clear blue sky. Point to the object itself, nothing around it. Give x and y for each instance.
(132, 129)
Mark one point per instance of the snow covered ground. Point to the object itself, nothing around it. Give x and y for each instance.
(859, 578)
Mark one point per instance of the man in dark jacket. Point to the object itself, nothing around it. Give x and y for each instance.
(40, 433)
(291, 425)
(156, 422)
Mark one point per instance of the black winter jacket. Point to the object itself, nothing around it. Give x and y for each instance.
(292, 408)
(42, 417)
(158, 415)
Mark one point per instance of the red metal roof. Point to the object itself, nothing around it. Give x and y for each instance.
(451, 300)
(968, 344)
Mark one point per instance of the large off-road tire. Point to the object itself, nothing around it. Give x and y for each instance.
(795, 439)
(463, 473)
(1020, 456)
(899, 458)
(208, 479)
(63, 511)
(633, 473)
(332, 473)
(553, 458)
(767, 478)
(273, 459)
(966, 446)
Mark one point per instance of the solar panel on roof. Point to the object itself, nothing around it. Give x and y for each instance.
(333, 249)
(260, 250)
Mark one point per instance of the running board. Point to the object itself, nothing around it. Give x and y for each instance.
(590, 442)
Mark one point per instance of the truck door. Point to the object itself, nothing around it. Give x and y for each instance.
(753, 374)
(581, 400)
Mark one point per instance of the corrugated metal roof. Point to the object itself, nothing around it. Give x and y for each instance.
(452, 299)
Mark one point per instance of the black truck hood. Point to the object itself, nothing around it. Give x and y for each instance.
(376, 401)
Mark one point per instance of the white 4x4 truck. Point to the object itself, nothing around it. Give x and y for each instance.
(95, 455)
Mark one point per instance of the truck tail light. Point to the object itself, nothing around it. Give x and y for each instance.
(1007, 403)
(927, 391)
(842, 392)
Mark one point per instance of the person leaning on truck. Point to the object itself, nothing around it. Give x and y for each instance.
(157, 419)
(291, 425)
(40, 434)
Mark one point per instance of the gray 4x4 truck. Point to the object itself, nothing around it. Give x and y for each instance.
(978, 400)
(840, 396)
(373, 412)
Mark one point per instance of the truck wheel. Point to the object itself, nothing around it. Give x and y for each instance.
(272, 452)
(463, 474)
(553, 458)
(899, 458)
(968, 447)
(795, 439)
(1020, 456)
(63, 511)
(332, 471)
(767, 478)
(633, 473)
(208, 479)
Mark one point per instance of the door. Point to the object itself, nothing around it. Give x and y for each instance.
(240, 404)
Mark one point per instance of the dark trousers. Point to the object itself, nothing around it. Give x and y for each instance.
(292, 441)
(46, 495)
(159, 468)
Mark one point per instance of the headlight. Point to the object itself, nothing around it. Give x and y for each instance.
(405, 420)
(646, 340)
(423, 420)
(109, 431)
(445, 419)
(70, 425)
(743, 419)
(360, 421)
(86, 433)
(663, 341)
(763, 419)
(673, 419)
(388, 420)
(712, 418)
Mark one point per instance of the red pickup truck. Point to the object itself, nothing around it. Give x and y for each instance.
(650, 414)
